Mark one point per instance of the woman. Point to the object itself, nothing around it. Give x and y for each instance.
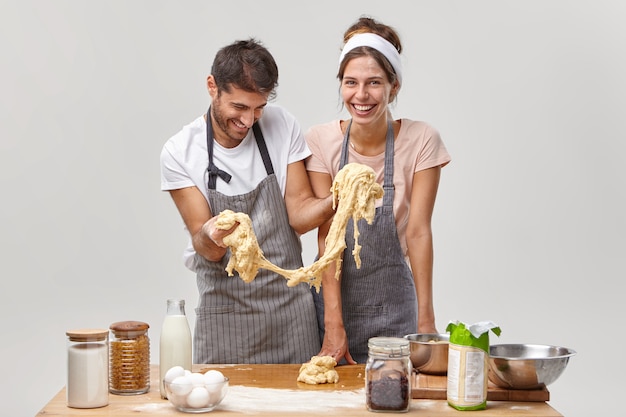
(391, 293)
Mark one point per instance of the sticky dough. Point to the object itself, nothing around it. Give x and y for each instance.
(320, 370)
(354, 191)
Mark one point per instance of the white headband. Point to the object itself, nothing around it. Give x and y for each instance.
(379, 43)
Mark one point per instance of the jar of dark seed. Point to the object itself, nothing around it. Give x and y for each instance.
(388, 375)
(129, 358)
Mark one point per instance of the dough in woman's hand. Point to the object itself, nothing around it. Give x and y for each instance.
(320, 370)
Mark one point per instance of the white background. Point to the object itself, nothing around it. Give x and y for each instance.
(529, 97)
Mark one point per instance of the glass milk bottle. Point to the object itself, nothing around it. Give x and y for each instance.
(87, 368)
(175, 342)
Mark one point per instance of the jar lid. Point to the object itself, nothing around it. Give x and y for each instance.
(129, 328)
(87, 335)
(392, 346)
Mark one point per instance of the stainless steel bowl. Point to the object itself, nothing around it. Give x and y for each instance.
(429, 352)
(525, 366)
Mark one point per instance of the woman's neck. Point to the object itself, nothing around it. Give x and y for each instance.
(370, 139)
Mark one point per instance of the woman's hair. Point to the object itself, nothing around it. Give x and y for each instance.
(369, 25)
(247, 65)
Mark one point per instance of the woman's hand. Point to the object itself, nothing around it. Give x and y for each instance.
(336, 345)
(427, 328)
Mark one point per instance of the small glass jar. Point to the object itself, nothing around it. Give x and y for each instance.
(87, 368)
(388, 375)
(129, 371)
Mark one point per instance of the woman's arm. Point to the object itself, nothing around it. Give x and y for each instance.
(420, 244)
(335, 341)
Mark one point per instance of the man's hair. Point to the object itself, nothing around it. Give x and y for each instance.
(248, 65)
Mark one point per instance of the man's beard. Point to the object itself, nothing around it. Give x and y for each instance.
(222, 123)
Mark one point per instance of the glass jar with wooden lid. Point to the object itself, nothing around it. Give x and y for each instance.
(129, 369)
(87, 368)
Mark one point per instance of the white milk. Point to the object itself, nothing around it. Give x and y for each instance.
(175, 346)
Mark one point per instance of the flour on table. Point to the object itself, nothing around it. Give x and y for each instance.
(354, 191)
(252, 400)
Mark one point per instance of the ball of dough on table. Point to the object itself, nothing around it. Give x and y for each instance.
(320, 370)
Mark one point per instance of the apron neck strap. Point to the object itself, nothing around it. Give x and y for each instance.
(389, 152)
(214, 172)
(265, 155)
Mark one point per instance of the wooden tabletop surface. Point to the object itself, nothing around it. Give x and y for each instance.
(270, 390)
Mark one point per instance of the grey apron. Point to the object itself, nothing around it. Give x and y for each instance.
(263, 321)
(379, 299)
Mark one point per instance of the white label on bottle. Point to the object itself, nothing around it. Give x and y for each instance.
(474, 376)
(467, 381)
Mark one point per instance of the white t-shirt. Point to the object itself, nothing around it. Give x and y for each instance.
(184, 157)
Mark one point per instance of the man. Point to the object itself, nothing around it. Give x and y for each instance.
(247, 156)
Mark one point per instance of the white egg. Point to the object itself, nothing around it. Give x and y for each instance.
(181, 385)
(213, 377)
(215, 393)
(198, 397)
(197, 379)
(173, 372)
(176, 399)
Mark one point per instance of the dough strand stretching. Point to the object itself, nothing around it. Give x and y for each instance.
(354, 190)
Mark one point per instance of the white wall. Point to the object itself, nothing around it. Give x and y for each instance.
(529, 226)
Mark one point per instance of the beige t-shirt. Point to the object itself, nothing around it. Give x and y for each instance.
(417, 147)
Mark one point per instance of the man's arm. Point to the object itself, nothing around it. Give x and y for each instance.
(195, 211)
(306, 212)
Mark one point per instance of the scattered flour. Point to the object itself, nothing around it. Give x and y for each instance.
(251, 400)
(164, 407)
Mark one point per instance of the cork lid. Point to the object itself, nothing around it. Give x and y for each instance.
(87, 335)
(129, 328)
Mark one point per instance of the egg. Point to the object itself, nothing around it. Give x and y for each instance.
(173, 372)
(198, 397)
(197, 379)
(181, 385)
(215, 393)
(213, 377)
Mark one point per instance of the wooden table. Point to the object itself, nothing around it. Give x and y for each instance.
(271, 390)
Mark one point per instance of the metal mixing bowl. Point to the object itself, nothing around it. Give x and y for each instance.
(429, 352)
(525, 366)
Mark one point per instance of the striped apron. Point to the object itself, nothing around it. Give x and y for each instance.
(263, 321)
(379, 299)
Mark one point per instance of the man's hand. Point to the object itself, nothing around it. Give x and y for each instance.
(214, 234)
